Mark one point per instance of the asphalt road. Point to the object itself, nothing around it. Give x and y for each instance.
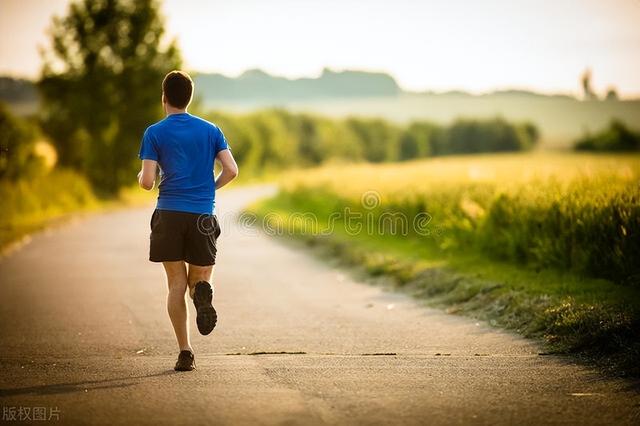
(85, 338)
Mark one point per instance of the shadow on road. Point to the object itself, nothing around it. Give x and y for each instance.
(58, 388)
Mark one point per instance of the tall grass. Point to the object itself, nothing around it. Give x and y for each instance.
(571, 212)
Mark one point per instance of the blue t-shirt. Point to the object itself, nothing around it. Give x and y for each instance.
(185, 147)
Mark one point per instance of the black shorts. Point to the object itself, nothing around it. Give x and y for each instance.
(190, 237)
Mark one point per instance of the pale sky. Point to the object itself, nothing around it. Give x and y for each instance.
(474, 45)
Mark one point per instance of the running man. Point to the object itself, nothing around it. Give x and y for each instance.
(184, 227)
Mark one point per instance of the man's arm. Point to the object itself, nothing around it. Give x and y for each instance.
(147, 176)
(229, 168)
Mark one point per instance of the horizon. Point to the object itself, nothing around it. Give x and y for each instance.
(428, 47)
(409, 91)
(195, 73)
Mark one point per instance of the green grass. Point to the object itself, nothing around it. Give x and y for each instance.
(579, 213)
(572, 309)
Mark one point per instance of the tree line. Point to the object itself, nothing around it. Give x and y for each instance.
(275, 138)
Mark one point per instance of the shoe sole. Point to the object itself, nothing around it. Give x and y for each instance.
(185, 366)
(206, 315)
(184, 369)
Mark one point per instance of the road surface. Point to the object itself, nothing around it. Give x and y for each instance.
(84, 334)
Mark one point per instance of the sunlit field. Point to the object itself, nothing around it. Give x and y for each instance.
(571, 212)
(502, 169)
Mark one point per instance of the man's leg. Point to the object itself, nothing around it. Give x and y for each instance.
(197, 274)
(176, 304)
(201, 291)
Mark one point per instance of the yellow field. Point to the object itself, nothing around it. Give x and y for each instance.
(572, 212)
(504, 170)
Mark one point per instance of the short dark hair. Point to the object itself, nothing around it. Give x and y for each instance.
(177, 87)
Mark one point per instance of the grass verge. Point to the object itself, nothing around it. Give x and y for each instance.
(31, 205)
(595, 320)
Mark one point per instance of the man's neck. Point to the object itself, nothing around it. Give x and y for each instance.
(172, 110)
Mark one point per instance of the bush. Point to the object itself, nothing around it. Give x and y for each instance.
(17, 141)
(617, 137)
(28, 204)
(473, 136)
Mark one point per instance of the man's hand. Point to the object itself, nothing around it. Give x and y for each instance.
(229, 168)
(147, 176)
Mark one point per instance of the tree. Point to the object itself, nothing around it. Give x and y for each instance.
(380, 140)
(101, 85)
(588, 92)
(612, 94)
(415, 141)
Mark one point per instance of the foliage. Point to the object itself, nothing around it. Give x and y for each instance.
(277, 139)
(473, 136)
(617, 137)
(379, 139)
(101, 85)
(416, 140)
(17, 155)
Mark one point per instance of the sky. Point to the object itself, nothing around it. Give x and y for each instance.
(473, 45)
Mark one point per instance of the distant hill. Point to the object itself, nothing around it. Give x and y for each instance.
(19, 94)
(258, 86)
(17, 90)
(560, 118)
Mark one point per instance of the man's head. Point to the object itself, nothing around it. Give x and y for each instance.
(177, 89)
